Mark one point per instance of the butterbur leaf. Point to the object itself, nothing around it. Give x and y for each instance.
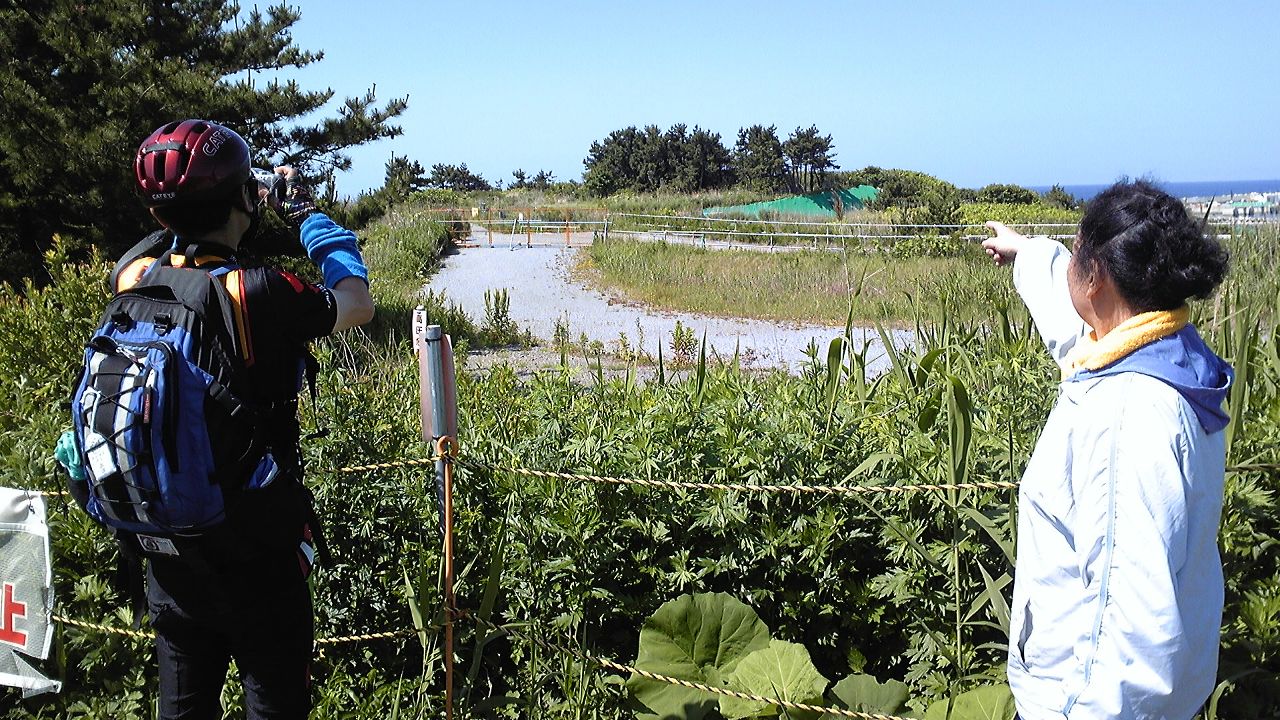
(990, 702)
(782, 670)
(863, 693)
(700, 638)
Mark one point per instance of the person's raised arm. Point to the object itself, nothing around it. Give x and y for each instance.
(354, 303)
(331, 247)
(1040, 277)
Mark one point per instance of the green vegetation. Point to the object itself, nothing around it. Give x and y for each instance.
(649, 160)
(85, 82)
(1010, 194)
(813, 286)
(873, 589)
(900, 595)
(1021, 214)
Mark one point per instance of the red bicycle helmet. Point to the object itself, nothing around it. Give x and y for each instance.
(185, 160)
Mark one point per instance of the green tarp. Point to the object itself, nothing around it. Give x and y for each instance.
(821, 204)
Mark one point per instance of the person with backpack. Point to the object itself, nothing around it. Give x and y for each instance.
(186, 435)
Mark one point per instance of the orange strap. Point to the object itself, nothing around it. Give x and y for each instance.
(232, 282)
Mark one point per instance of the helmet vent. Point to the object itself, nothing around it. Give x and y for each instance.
(157, 166)
(183, 160)
(199, 128)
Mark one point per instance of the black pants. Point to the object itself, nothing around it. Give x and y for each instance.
(255, 608)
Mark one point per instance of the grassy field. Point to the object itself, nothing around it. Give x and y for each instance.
(809, 286)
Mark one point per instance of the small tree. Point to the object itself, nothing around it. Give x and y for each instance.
(543, 180)
(456, 177)
(521, 180)
(941, 206)
(404, 177)
(758, 159)
(608, 163)
(1009, 194)
(809, 158)
(701, 162)
(1058, 197)
(906, 189)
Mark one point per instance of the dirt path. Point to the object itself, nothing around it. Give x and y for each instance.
(543, 291)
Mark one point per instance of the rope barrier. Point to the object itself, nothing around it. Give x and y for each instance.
(793, 489)
(674, 485)
(148, 635)
(611, 480)
(104, 628)
(619, 667)
(390, 465)
(407, 632)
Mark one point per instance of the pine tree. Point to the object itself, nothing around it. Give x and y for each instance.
(542, 180)
(403, 177)
(456, 177)
(84, 82)
(810, 157)
(609, 163)
(759, 160)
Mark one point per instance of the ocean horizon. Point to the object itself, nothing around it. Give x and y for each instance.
(1202, 188)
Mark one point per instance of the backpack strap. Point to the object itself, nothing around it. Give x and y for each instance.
(311, 368)
(131, 265)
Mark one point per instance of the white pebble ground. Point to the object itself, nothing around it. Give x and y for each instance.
(542, 291)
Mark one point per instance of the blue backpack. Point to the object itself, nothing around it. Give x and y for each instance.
(164, 433)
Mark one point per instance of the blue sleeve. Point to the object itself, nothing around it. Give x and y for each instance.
(333, 249)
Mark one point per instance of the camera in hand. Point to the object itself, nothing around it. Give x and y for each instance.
(271, 182)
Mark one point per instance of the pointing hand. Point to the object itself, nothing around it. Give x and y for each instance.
(1005, 245)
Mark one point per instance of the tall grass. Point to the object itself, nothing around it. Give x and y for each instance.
(803, 286)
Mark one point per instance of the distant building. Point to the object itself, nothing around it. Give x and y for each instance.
(1256, 207)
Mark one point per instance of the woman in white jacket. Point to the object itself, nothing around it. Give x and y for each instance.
(1117, 596)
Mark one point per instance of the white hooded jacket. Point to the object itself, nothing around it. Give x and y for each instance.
(1118, 590)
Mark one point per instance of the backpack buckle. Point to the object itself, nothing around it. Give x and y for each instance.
(163, 323)
(121, 320)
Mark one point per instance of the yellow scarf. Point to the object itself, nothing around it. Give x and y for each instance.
(1139, 330)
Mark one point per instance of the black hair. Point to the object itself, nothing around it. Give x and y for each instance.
(1155, 252)
(204, 213)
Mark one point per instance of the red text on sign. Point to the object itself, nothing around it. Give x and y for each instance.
(10, 611)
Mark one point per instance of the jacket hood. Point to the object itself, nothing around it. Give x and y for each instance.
(1185, 363)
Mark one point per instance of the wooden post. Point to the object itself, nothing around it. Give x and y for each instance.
(566, 228)
(488, 225)
(606, 228)
(444, 447)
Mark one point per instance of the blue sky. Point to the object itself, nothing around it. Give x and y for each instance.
(1026, 92)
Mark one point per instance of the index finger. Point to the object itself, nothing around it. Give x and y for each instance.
(996, 225)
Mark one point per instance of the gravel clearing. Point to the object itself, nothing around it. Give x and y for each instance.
(542, 291)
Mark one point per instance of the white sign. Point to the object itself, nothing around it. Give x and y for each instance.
(26, 591)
